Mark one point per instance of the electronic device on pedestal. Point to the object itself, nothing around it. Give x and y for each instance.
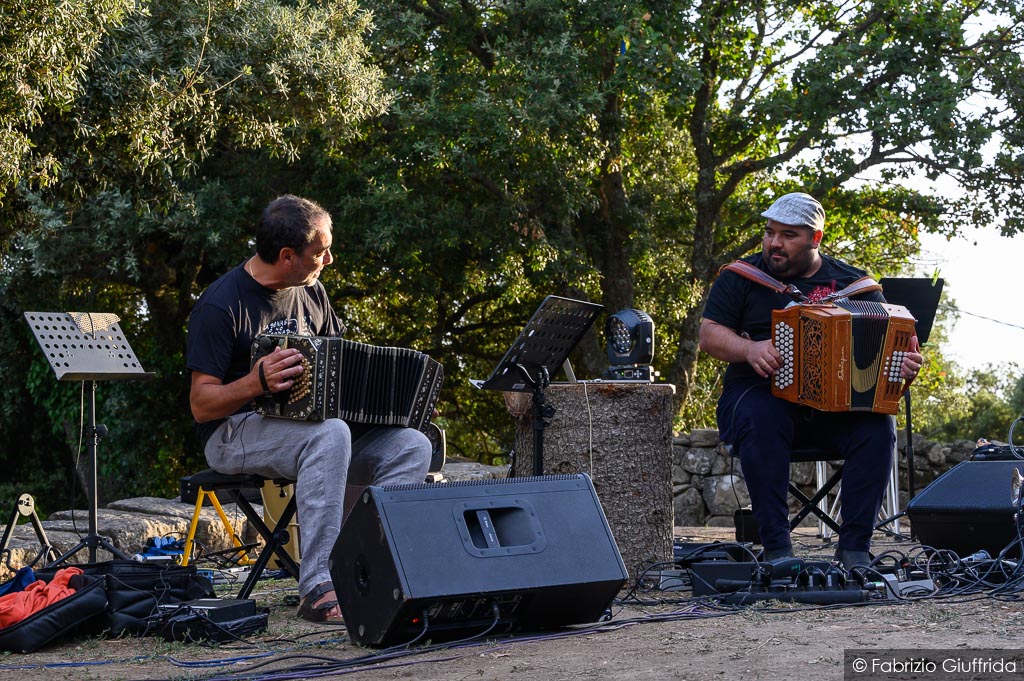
(630, 338)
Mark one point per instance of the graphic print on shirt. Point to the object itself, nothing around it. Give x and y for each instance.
(291, 326)
(823, 290)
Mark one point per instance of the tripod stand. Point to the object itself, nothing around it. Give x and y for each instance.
(541, 348)
(87, 347)
(26, 506)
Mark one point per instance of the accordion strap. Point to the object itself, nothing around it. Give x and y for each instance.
(748, 271)
(862, 285)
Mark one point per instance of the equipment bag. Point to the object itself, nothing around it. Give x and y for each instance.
(135, 591)
(78, 612)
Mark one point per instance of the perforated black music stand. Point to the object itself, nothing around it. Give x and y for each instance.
(87, 347)
(541, 348)
(921, 298)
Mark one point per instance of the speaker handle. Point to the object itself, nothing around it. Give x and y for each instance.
(492, 528)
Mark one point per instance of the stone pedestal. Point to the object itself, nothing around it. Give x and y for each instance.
(621, 435)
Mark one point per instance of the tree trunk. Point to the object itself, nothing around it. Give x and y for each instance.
(621, 435)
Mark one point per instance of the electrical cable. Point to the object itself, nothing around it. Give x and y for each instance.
(314, 666)
(954, 579)
(1017, 452)
(590, 428)
(954, 308)
(78, 458)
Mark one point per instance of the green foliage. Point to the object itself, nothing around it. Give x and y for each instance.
(167, 123)
(46, 50)
(476, 157)
(623, 154)
(984, 407)
(951, 403)
(177, 81)
(35, 457)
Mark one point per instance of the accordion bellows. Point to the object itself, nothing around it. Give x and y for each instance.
(353, 381)
(842, 356)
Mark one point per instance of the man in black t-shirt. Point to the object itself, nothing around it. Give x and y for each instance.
(277, 291)
(763, 429)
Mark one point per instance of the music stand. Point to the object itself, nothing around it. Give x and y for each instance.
(87, 347)
(541, 348)
(921, 298)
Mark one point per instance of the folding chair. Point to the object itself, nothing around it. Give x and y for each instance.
(829, 511)
(203, 486)
(825, 502)
(279, 506)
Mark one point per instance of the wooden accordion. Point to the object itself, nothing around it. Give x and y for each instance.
(842, 356)
(353, 381)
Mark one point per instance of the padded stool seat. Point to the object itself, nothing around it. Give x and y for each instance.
(240, 489)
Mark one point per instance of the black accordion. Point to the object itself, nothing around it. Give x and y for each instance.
(360, 383)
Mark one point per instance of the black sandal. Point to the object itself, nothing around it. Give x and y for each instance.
(318, 613)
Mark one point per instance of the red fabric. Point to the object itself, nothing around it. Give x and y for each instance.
(15, 607)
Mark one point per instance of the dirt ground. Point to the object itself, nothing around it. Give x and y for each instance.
(674, 639)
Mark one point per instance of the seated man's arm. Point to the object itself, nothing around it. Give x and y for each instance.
(723, 343)
(211, 398)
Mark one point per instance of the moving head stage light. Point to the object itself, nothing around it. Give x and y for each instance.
(630, 338)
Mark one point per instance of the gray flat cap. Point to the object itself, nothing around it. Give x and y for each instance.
(799, 209)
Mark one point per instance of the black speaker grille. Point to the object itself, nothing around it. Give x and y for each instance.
(477, 483)
(970, 486)
(537, 549)
(967, 508)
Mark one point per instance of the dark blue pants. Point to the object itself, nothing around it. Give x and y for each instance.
(764, 429)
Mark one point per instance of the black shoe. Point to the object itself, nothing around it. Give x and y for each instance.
(775, 554)
(851, 559)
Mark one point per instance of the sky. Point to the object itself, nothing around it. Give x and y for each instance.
(984, 279)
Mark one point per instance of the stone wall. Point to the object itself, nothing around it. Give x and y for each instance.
(708, 487)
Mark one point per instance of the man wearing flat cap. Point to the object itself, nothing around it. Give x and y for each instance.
(764, 429)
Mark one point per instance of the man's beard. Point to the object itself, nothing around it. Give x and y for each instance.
(791, 266)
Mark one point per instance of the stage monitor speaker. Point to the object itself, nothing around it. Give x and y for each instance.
(968, 508)
(453, 560)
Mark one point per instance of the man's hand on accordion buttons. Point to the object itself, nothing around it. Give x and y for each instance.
(280, 368)
(912, 362)
(763, 356)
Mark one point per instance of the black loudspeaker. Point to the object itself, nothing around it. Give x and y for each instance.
(452, 560)
(968, 508)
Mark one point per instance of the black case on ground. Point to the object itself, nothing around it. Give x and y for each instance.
(79, 611)
(114, 598)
